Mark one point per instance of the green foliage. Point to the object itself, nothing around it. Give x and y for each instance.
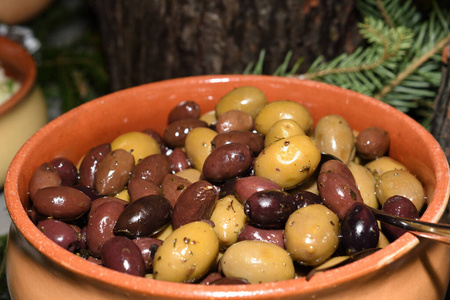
(399, 62)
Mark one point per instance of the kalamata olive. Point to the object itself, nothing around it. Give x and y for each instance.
(234, 120)
(152, 168)
(113, 172)
(253, 140)
(398, 206)
(226, 162)
(251, 233)
(230, 281)
(304, 198)
(211, 277)
(138, 144)
(359, 229)
(121, 254)
(148, 247)
(60, 232)
(66, 170)
(175, 134)
(99, 201)
(172, 187)
(82, 245)
(144, 217)
(269, 209)
(195, 203)
(184, 110)
(178, 160)
(44, 176)
(372, 142)
(338, 190)
(90, 192)
(101, 224)
(138, 188)
(61, 202)
(90, 162)
(247, 186)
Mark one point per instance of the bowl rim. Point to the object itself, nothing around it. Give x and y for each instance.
(147, 286)
(17, 56)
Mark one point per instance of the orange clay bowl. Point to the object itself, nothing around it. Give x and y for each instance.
(408, 268)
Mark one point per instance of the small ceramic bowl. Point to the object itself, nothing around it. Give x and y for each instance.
(25, 112)
(408, 268)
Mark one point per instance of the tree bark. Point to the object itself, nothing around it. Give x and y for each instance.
(153, 40)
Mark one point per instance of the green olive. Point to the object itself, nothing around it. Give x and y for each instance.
(229, 218)
(257, 262)
(139, 144)
(333, 135)
(187, 253)
(282, 129)
(279, 110)
(365, 182)
(198, 145)
(383, 164)
(400, 183)
(248, 99)
(288, 162)
(209, 117)
(312, 234)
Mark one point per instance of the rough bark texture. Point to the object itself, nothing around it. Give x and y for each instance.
(153, 40)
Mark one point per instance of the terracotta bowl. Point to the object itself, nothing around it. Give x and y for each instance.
(25, 112)
(408, 268)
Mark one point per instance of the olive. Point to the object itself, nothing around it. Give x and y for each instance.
(44, 176)
(148, 247)
(282, 129)
(184, 110)
(305, 198)
(152, 168)
(121, 254)
(66, 170)
(274, 236)
(172, 186)
(234, 120)
(60, 232)
(139, 144)
(246, 186)
(253, 140)
(398, 206)
(198, 146)
(269, 209)
(359, 229)
(372, 142)
(144, 217)
(89, 164)
(175, 134)
(248, 99)
(178, 160)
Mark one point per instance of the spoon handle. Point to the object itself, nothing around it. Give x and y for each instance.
(436, 231)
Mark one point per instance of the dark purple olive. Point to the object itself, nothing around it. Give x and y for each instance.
(90, 162)
(398, 206)
(44, 176)
(274, 236)
(359, 229)
(228, 188)
(148, 247)
(230, 281)
(246, 186)
(90, 192)
(122, 254)
(60, 232)
(305, 198)
(144, 217)
(210, 278)
(269, 209)
(184, 110)
(66, 170)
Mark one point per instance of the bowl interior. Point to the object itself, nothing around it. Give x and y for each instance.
(18, 64)
(148, 106)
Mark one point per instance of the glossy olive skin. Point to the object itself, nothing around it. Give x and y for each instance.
(113, 172)
(148, 247)
(372, 142)
(195, 203)
(121, 254)
(157, 137)
(230, 281)
(234, 120)
(172, 187)
(44, 176)
(61, 202)
(90, 162)
(138, 188)
(252, 233)
(144, 217)
(398, 206)
(178, 160)
(359, 229)
(247, 186)
(184, 110)
(269, 209)
(245, 98)
(101, 224)
(152, 168)
(226, 162)
(66, 170)
(253, 140)
(305, 198)
(337, 188)
(60, 232)
(176, 132)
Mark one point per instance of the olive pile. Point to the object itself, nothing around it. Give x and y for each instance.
(238, 195)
